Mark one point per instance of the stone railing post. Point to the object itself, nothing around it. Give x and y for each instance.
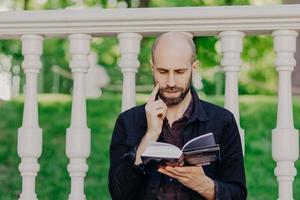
(78, 141)
(285, 138)
(30, 134)
(232, 46)
(129, 44)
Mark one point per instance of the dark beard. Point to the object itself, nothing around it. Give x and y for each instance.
(177, 100)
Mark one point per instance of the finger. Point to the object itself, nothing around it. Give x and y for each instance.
(184, 169)
(201, 169)
(173, 171)
(160, 113)
(153, 94)
(159, 105)
(163, 171)
(189, 169)
(155, 110)
(163, 105)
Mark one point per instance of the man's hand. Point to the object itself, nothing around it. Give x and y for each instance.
(156, 111)
(192, 177)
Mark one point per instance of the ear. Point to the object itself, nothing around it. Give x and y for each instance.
(195, 65)
(151, 63)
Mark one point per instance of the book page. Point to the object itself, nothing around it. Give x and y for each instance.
(200, 142)
(162, 150)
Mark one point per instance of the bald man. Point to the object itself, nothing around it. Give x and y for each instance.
(174, 114)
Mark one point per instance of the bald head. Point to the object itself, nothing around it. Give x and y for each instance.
(175, 45)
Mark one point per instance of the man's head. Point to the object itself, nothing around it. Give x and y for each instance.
(173, 60)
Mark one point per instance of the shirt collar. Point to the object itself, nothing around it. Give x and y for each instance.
(198, 112)
(188, 112)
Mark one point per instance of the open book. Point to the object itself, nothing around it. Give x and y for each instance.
(201, 150)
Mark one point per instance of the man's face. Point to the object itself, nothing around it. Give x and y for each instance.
(172, 95)
(172, 69)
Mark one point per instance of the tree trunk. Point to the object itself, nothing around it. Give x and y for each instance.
(144, 3)
(128, 3)
(26, 3)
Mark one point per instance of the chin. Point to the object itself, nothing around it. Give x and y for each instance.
(173, 102)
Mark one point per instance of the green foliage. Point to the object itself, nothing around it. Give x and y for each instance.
(258, 118)
(206, 51)
(54, 4)
(258, 70)
(179, 3)
(144, 75)
(108, 52)
(55, 53)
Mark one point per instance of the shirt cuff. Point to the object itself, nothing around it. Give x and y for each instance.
(217, 193)
(221, 191)
(131, 155)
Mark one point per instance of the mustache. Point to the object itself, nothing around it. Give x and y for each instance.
(170, 89)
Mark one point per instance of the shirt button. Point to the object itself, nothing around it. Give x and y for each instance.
(171, 179)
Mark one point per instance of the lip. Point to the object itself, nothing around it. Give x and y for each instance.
(172, 92)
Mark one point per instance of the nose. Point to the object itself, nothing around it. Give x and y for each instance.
(171, 80)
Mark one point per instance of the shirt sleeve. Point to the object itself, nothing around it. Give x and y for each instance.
(124, 176)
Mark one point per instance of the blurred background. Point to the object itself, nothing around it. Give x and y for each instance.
(257, 89)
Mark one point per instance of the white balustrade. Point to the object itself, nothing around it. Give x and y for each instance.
(78, 141)
(200, 21)
(129, 44)
(285, 138)
(30, 134)
(232, 46)
(129, 25)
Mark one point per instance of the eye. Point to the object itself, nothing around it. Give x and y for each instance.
(163, 71)
(180, 71)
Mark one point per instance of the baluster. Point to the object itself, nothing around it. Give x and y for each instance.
(285, 138)
(129, 44)
(232, 46)
(30, 134)
(78, 141)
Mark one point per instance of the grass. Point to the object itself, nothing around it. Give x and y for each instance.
(258, 118)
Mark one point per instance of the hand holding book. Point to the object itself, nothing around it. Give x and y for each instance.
(192, 177)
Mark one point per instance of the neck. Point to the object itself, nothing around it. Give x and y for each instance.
(175, 112)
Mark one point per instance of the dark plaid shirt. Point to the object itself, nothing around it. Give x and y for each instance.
(171, 189)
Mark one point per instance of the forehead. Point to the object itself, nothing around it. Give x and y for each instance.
(171, 67)
(172, 55)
